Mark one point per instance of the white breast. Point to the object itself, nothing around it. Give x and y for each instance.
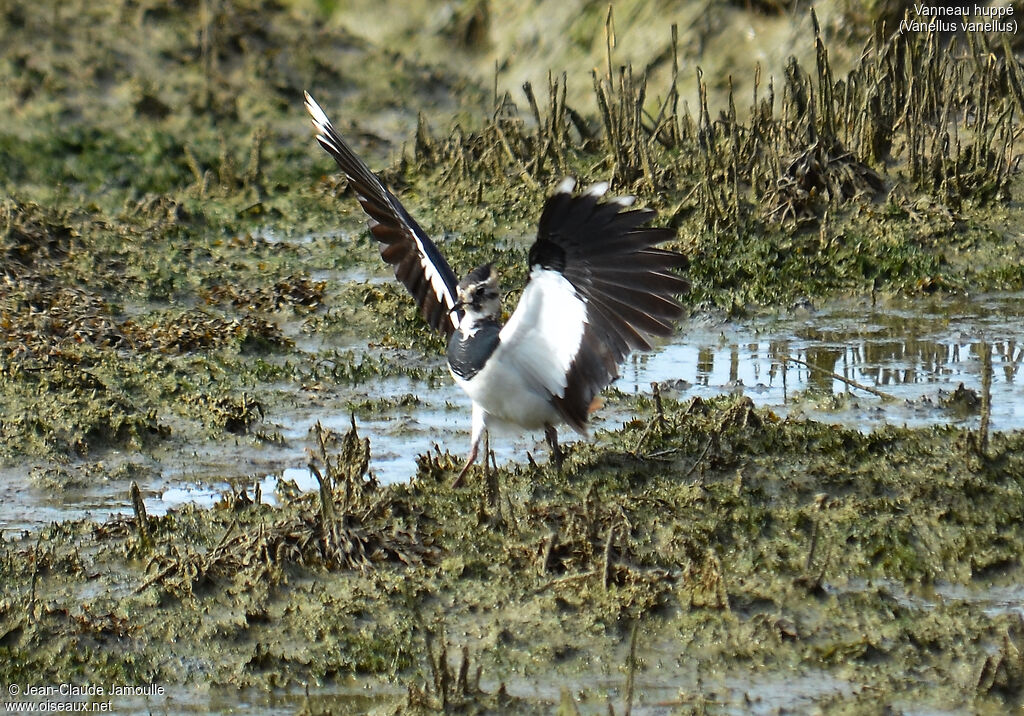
(506, 399)
(529, 367)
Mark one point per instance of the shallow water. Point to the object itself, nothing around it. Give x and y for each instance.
(917, 351)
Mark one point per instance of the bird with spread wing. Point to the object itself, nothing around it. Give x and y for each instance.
(599, 287)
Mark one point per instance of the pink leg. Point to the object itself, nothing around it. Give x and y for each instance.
(465, 468)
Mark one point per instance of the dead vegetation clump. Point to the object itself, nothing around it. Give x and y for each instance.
(297, 293)
(345, 525)
(1002, 673)
(196, 330)
(31, 235)
(932, 115)
(815, 179)
(449, 690)
(43, 323)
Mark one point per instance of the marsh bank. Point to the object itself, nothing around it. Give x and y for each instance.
(181, 269)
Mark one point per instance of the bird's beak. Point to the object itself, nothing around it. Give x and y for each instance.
(456, 307)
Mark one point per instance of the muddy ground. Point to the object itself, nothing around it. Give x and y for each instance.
(180, 262)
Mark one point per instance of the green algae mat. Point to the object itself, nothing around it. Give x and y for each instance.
(178, 261)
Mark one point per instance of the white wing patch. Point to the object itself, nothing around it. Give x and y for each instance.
(543, 336)
(436, 282)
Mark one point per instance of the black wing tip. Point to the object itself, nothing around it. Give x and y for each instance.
(587, 226)
(565, 206)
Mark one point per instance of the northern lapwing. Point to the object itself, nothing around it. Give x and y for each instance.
(599, 287)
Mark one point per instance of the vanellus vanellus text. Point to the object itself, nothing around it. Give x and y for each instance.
(598, 288)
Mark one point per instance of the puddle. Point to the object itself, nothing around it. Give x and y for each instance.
(915, 350)
(992, 599)
(273, 235)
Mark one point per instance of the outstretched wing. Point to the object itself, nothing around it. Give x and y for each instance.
(403, 244)
(598, 289)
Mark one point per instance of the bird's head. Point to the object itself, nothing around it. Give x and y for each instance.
(478, 294)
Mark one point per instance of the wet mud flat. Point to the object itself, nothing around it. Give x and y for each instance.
(181, 270)
(707, 555)
(907, 361)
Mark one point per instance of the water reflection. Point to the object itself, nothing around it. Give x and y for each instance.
(908, 349)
